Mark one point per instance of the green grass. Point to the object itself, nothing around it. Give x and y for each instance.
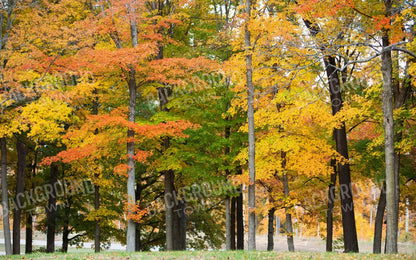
(209, 255)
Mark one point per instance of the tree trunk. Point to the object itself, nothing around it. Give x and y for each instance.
(51, 211)
(270, 230)
(330, 210)
(65, 232)
(240, 224)
(227, 223)
(29, 233)
(97, 228)
(378, 226)
(289, 229)
(131, 195)
(138, 238)
(20, 186)
(251, 136)
(5, 196)
(388, 123)
(232, 235)
(347, 203)
(169, 205)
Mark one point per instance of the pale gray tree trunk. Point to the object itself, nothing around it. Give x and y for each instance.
(251, 136)
(131, 193)
(388, 123)
(5, 196)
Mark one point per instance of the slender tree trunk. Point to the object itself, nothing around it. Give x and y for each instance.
(97, 228)
(51, 211)
(131, 195)
(330, 210)
(388, 123)
(289, 229)
(29, 215)
(378, 226)
(138, 246)
(232, 235)
(29, 233)
(270, 229)
(227, 223)
(20, 185)
(5, 196)
(65, 232)
(169, 206)
(240, 224)
(228, 201)
(251, 136)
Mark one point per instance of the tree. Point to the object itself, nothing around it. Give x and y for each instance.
(251, 137)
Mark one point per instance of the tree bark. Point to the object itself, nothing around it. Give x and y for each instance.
(388, 123)
(232, 235)
(169, 204)
(65, 232)
(97, 228)
(20, 186)
(251, 135)
(5, 197)
(227, 223)
(29, 233)
(51, 211)
(289, 229)
(378, 226)
(330, 210)
(240, 224)
(270, 230)
(347, 203)
(131, 195)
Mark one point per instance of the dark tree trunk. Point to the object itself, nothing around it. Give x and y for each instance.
(270, 230)
(29, 233)
(51, 211)
(138, 246)
(240, 226)
(289, 229)
(169, 207)
(232, 226)
(5, 198)
(138, 238)
(29, 216)
(65, 232)
(378, 226)
(330, 210)
(228, 223)
(97, 228)
(19, 203)
(347, 203)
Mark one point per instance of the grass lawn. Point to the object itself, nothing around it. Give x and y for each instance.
(209, 255)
